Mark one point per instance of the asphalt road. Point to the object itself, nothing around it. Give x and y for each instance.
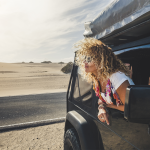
(29, 108)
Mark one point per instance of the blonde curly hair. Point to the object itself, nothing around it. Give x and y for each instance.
(103, 57)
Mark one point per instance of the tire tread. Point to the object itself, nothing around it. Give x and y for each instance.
(72, 135)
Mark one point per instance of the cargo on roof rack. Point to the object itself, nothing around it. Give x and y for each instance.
(122, 20)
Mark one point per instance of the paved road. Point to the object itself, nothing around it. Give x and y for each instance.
(28, 108)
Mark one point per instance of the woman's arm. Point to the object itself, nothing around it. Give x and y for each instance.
(120, 107)
(121, 91)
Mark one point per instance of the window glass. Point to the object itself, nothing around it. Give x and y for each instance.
(83, 90)
(76, 95)
(69, 92)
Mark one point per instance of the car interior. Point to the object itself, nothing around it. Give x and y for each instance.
(138, 61)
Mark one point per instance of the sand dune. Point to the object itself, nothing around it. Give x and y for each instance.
(32, 78)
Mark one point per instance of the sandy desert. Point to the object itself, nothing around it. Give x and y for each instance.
(32, 78)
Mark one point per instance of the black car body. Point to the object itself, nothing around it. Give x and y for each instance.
(130, 129)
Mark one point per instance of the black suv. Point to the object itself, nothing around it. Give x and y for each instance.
(130, 129)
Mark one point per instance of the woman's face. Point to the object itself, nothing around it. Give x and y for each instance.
(90, 66)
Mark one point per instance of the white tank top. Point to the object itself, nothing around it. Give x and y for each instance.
(116, 80)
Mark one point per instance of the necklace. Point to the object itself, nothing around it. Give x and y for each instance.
(107, 93)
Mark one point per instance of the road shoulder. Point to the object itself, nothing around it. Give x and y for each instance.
(42, 137)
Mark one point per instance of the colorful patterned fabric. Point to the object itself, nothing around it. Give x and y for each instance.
(106, 97)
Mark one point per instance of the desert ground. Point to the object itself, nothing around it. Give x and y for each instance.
(49, 137)
(32, 78)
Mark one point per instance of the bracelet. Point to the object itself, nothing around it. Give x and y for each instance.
(101, 106)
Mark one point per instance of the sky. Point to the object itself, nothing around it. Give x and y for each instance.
(44, 30)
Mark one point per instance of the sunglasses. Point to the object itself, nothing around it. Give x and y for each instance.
(88, 59)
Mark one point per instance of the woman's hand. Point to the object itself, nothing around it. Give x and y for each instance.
(103, 115)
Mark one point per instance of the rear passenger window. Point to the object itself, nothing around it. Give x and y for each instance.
(82, 90)
(137, 61)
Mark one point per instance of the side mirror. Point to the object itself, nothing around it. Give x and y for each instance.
(137, 104)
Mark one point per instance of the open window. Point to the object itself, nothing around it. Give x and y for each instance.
(139, 62)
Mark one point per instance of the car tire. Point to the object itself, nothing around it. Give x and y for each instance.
(71, 140)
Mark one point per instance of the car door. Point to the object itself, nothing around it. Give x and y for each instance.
(85, 101)
(135, 134)
(121, 133)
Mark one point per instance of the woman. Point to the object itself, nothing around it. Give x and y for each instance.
(109, 75)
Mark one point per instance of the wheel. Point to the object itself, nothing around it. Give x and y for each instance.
(71, 140)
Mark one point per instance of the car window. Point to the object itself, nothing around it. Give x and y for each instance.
(138, 62)
(76, 95)
(82, 90)
(69, 90)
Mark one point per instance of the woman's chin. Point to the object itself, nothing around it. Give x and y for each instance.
(86, 70)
